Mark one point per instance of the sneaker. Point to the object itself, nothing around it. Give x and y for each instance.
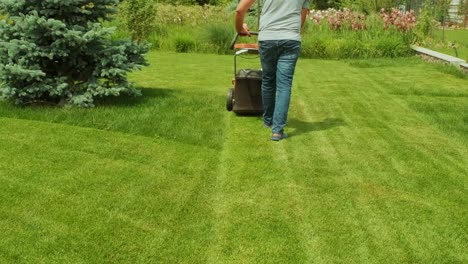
(278, 136)
(266, 126)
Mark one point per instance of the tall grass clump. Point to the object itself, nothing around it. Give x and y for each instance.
(184, 43)
(452, 70)
(329, 34)
(204, 29)
(219, 36)
(343, 34)
(185, 28)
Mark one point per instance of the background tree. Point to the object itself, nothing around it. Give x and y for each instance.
(59, 52)
(140, 18)
(441, 9)
(462, 12)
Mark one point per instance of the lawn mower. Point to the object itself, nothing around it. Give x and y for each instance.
(245, 98)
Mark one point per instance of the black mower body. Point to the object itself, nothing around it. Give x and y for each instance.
(246, 96)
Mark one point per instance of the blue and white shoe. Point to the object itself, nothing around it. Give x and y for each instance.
(278, 136)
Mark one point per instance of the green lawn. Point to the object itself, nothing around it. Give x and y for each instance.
(443, 40)
(375, 170)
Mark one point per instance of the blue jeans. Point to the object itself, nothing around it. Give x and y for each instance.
(278, 59)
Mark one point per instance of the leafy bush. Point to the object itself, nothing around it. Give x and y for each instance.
(441, 9)
(426, 23)
(140, 18)
(462, 9)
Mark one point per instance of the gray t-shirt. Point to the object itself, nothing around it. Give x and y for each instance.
(281, 19)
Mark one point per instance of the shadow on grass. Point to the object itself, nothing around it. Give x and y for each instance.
(185, 116)
(147, 94)
(301, 127)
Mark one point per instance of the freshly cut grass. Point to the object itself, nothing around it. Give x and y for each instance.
(374, 170)
(71, 194)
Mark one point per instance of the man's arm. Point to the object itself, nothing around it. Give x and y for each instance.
(304, 13)
(241, 10)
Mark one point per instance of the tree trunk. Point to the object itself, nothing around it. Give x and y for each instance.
(466, 14)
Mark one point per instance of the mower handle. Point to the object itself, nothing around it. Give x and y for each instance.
(233, 42)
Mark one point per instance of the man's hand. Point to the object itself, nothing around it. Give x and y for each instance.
(245, 30)
(241, 9)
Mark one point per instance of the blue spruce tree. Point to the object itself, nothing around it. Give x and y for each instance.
(57, 51)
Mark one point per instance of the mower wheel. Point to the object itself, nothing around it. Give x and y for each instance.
(230, 99)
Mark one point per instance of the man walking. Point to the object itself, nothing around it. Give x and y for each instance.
(279, 41)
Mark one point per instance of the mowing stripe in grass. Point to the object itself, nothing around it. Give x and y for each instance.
(124, 201)
(374, 170)
(368, 154)
(256, 219)
(324, 164)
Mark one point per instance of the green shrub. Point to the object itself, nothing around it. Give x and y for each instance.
(140, 18)
(388, 47)
(174, 23)
(352, 48)
(184, 43)
(325, 40)
(219, 36)
(158, 36)
(155, 41)
(348, 47)
(161, 30)
(426, 23)
(441, 9)
(314, 47)
(209, 29)
(462, 8)
(333, 48)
